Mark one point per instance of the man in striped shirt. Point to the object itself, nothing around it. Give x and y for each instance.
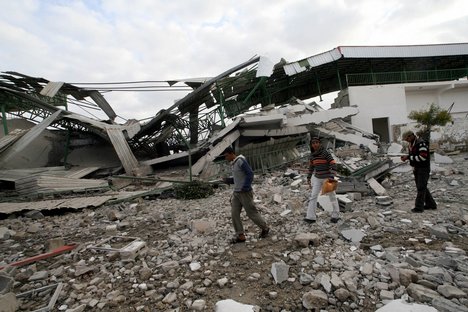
(322, 167)
(419, 159)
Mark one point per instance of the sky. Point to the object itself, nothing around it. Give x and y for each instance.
(133, 40)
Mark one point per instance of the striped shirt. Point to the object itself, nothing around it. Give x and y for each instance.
(419, 154)
(321, 164)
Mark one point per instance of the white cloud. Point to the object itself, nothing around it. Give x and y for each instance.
(121, 40)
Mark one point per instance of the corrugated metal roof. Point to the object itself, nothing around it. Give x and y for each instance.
(430, 50)
(75, 203)
(405, 51)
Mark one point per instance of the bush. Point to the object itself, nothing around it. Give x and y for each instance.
(193, 190)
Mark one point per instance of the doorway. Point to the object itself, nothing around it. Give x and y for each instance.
(380, 127)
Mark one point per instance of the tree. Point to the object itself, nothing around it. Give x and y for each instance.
(426, 119)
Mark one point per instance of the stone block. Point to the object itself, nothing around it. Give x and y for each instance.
(55, 243)
(280, 272)
(130, 251)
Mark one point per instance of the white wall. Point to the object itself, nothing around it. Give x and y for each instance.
(378, 102)
(396, 102)
(420, 100)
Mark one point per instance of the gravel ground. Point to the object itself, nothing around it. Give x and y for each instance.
(189, 265)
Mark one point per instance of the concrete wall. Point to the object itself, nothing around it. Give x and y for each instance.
(46, 150)
(378, 102)
(396, 102)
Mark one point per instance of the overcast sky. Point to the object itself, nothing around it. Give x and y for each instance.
(130, 40)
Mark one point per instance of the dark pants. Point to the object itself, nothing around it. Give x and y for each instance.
(245, 199)
(423, 198)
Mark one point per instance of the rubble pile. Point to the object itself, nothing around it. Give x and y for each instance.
(165, 254)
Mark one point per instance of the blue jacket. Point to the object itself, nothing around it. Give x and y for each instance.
(242, 175)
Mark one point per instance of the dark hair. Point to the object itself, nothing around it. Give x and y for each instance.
(314, 139)
(228, 150)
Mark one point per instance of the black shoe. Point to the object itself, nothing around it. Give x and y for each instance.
(309, 220)
(417, 210)
(334, 220)
(430, 208)
(264, 233)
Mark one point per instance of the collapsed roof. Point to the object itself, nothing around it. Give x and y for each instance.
(213, 112)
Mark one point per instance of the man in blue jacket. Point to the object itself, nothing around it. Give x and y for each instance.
(242, 177)
(419, 159)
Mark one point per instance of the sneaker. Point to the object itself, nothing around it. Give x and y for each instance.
(334, 220)
(238, 239)
(430, 208)
(309, 220)
(417, 210)
(264, 233)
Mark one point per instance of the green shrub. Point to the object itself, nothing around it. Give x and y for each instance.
(193, 190)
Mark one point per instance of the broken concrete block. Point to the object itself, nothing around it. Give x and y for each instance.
(5, 233)
(39, 275)
(345, 203)
(439, 232)
(130, 251)
(353, 235)
(296, 183)
(111, 228)
(421, 293)
(377, 187)
(383, 200)
(6, 284)
(280, 272)
(315, 299)
(277, 198)
(306, 239)
(55, 243)
(202, 226)
(34, 214)
(325, 203)
(8, 302)
(354, 196)
(114, 215)
(229, 305)
(440, 159)
(83, 269)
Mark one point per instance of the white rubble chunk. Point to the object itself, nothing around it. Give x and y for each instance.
(280, 272)
(230, 305)
(402, 306)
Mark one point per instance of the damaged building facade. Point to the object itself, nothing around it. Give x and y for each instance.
(257, 106)
(146, 250)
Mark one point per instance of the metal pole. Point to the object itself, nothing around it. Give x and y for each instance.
(221, 106)
(189, 152)
(67, 144)
(4, 120)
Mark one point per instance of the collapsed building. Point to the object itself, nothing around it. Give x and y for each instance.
(47, 149)
(256, 106)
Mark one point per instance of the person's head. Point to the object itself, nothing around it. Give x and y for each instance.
(408, 136)
(315, 143)
(229, 154)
